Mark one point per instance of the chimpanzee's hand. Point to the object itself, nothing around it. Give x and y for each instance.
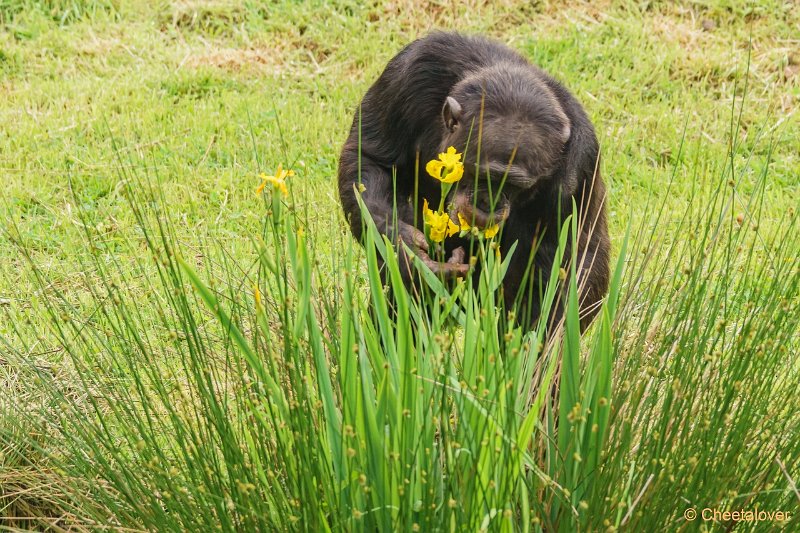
(475, 215)
(415, 240)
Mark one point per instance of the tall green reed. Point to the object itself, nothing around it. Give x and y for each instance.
(270, 400)
(285, 393)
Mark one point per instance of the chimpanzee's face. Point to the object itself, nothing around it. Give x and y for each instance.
(506, 156)
(501, 167)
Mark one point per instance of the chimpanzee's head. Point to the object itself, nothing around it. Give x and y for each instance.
(509, 117)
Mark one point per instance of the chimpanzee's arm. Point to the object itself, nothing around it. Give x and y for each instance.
(398, 115)
(391, 212)
(361, 173)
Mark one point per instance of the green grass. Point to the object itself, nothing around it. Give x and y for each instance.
(129, 402)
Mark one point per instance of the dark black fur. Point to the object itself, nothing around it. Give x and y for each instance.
(526, 114)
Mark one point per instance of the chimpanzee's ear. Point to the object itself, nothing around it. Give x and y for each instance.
(451, 113)
(566, 131)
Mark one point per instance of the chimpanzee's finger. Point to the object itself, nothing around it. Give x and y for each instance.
(448, 270)
(413, 236)
(419, 239)
(451, 270)
(457, 257)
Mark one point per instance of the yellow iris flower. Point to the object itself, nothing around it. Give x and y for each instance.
(488, 233)
(439, 223)
(448, 168)
(278, 181)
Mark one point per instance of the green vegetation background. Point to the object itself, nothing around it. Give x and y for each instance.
(208, 94)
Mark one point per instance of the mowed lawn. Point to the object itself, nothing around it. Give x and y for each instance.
(200, 97)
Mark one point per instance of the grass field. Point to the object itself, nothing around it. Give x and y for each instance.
(116, 115)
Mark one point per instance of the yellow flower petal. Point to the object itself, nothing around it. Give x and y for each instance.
(464, 225)
(434, 168)
(450, 158)
(426, 211)
(283, 174)
(454, 175)
(452, 229)
(491, 231)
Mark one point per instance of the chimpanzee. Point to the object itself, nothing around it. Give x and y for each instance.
(537, 148)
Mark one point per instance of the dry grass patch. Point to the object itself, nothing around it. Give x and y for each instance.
(236, 60)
